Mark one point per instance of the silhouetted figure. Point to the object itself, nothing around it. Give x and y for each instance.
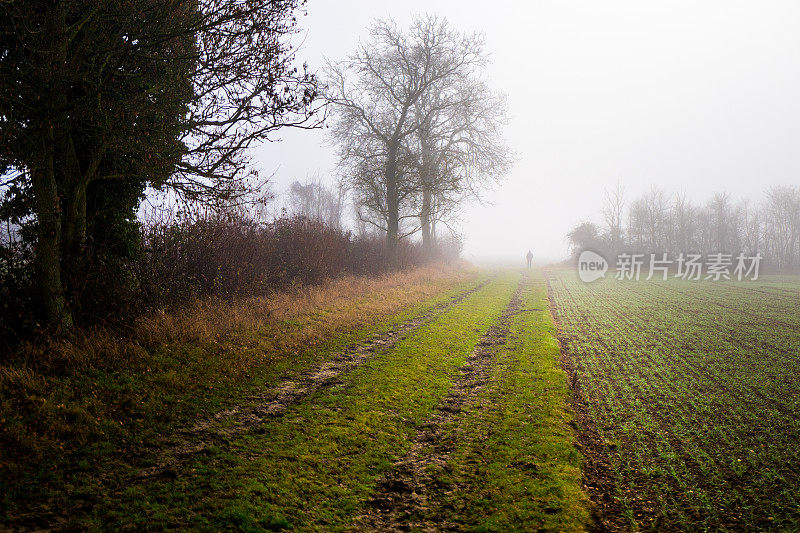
(529, 257)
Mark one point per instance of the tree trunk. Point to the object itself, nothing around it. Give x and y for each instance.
(48, 253)
(43, 176)
(425, 221)
(392, 204)
(434, 237)
(73, 244)
(74, 220)
(426, 179)
(74, 191)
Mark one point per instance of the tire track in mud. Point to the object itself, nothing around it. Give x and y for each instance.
(404, 494)
(274, 401)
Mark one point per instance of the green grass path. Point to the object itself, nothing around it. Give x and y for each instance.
(315, 467)
(516, 467)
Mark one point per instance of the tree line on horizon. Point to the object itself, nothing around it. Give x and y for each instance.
(657, 222)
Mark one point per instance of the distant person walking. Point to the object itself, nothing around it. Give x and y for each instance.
(529, 257)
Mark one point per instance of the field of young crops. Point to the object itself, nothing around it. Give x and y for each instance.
(688, 396)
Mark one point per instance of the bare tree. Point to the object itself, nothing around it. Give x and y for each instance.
(724, 223)
(613, 208)
(316, 201)
(373, 95)
(782, 212)
(648, 224)
(752, 228)
(683, 224)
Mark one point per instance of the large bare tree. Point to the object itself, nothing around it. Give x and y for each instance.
(375, 94)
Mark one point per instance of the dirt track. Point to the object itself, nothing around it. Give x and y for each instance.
(402, 501)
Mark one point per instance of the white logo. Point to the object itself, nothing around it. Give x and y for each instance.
(591, 266)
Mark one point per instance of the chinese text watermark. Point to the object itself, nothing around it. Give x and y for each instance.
(686, 266)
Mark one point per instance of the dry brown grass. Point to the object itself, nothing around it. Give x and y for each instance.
(240, 331)
(336, 305)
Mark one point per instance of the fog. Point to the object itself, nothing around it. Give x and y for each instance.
(696, 97)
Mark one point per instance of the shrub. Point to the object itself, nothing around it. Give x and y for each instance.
(211, 254)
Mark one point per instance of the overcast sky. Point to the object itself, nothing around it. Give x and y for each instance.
(692, 96)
